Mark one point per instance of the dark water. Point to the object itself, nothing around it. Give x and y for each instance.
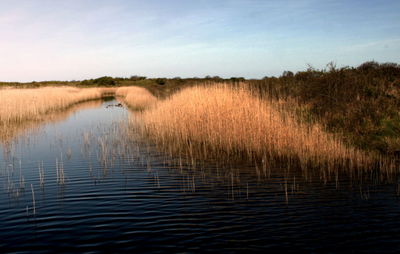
(120, 195)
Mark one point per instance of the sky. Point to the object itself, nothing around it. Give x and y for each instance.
(82, 39)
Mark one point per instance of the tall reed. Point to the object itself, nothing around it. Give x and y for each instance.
(24, 104)
(23, 108)
(136, 97)
(223, 120)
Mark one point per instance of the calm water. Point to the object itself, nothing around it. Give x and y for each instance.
(95, 190)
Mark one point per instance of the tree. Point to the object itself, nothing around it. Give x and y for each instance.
(287, 74)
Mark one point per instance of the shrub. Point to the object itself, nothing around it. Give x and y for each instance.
(161, 81)
(104, 81)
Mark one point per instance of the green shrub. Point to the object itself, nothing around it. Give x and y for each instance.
(104, 81)
(161, 81)
(362, 104)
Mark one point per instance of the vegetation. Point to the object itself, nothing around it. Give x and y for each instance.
(222, 121)
(103, 81)
(361, 105)
(137, 98)
(35, 84)
(25, 108)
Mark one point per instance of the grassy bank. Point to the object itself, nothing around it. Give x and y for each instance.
(232, 122)
(362, 104)
(359, 104)
(9, 132)
(21, 108)
(137, 98)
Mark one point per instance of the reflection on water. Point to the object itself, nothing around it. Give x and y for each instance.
(90, 183)
(8, 133)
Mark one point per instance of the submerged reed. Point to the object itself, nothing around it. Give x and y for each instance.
(33, 200)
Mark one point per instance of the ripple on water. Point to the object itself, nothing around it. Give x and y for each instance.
(141, 203)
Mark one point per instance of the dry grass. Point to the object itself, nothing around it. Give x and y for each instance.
(29, 104)
(136, 97)
(220, 120)
(9, 132)
(215, 121)
(24, 108)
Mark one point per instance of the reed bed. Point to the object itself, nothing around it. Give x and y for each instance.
(222, 121)
(8, 132)
(23, 108)
(29, 104)
(136, 97)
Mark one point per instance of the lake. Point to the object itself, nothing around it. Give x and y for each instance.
(86, 182)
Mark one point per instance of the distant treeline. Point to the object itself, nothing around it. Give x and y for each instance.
(361, 104)
(122, 81)
(159, 86)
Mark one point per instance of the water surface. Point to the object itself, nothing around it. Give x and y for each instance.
(122, 195)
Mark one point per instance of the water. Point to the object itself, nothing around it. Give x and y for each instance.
(121, 194)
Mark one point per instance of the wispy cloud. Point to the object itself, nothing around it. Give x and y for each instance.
(80, 39)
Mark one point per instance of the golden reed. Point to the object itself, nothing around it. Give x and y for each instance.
(213, 121)
(221, 120)
(136, 97)
(22, 109)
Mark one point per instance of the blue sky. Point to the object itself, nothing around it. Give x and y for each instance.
(79, 39)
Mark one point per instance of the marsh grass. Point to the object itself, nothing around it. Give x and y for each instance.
(33, 200)
(41, 173)
(23, 109)
(19, 129)
(362, 103)
(231, 123)
(27, 104)
(228, 122)
(137, 98)
(60, 175)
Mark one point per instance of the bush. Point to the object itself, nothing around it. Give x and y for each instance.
(104, 81)
(362, 104)
(137, 78)
(161, 81)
